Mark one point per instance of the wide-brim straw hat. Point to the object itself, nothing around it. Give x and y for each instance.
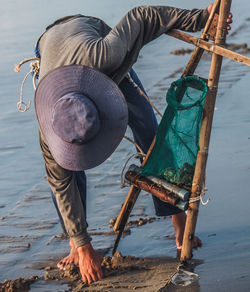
(103, 97)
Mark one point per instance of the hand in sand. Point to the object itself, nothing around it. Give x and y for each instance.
(229, 19)
(89, 264)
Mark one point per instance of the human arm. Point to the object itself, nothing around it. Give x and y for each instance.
(90, 42)
(64, 186)
(115, 53)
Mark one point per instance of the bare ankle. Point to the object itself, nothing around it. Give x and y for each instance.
(179, 221)
(71, 243)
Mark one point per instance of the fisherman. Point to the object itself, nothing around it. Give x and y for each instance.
(84, 102)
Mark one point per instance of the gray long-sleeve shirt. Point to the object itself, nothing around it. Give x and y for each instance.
(89, 41)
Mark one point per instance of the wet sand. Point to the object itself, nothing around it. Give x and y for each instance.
(28, 221)
(119, 274)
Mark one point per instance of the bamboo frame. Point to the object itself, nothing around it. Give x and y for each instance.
(217, 55)
(135, 191)
(190, 68)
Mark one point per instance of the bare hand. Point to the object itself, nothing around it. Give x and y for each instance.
(229, 19)
(89, 264)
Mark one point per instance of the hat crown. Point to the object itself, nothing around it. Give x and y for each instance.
(75, 118)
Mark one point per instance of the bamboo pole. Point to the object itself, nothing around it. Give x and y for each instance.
(198, 52)
(213, 48)
(122, 218)
(199, 174)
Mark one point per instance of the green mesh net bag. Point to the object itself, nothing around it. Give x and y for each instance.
(177, 139)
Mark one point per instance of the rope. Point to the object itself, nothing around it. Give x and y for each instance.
(136, 156)
(202, 194)
(35, 67)
(136, 145)
(130, 79)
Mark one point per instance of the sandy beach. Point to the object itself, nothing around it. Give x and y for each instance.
(29, 227)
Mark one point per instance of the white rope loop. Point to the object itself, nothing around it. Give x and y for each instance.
(136, 156)
(34, 68)
(200, 196)
(203, 193)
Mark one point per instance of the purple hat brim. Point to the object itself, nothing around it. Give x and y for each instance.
(111, 105)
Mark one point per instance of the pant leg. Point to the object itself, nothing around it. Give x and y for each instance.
(143, 124)
(141, 118)
(58, 212)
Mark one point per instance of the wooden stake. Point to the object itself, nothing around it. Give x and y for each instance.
(199, 174)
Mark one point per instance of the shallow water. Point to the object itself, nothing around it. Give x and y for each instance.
(28, 220)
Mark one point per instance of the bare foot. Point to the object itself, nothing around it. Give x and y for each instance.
(89, 264)
(179, 221)
(71, 258)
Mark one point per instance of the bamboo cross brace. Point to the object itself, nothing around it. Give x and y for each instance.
(210, 47)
